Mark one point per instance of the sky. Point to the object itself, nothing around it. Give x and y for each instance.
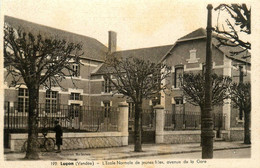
(138, 24)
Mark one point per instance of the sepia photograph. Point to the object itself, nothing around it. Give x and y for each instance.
(114, 83)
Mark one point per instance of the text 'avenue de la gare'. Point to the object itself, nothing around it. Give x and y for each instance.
(135, 162)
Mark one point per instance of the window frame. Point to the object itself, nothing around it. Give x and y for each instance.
(52, 98)
(74, 95)
(107, 85)
(177, 80)
(23, 100)
(76, 70)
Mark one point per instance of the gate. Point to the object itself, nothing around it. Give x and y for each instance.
(148, 126)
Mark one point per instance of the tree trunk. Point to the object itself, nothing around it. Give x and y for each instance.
(247, 134)
(32, 151)
(138, 127)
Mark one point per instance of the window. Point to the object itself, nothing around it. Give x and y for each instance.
(23, 100)
(107, 86)
(76, 71)
(51, 100)
(75, 96)
(179, 101)
(179, 108)
(74, 110)
(107, 109)
(178, 76)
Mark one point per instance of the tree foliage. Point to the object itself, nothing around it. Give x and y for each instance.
(34, 60)
(193, 87)
(240, 95)
(136, 79)
(31, 58)
(241, 16)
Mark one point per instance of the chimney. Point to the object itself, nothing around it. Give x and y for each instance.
(111, 42)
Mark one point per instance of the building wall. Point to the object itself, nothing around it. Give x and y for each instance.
(181, 55)
(79, 84)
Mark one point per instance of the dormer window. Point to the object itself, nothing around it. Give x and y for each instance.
(193, 56)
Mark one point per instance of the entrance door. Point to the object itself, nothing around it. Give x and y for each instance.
(75, 110)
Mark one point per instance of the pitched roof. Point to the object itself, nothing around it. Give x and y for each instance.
(153, 54)
(201, 33)
(243, 56)
(92, 48)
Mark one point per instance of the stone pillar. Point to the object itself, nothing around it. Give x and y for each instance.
(227, 71)
(159, 126)
(123, 122)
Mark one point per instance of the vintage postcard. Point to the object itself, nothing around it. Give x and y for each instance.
(114, 83)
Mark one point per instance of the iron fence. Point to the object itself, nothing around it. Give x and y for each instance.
(188, 120)
(71, 117)
(147, 119)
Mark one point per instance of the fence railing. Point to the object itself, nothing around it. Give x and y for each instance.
(71, 117)
(148, 119)
(190, 121)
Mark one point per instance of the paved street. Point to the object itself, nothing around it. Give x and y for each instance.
(222, 154)
(192, 150)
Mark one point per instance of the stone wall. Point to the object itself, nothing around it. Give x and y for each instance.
(178, 137)
(75, 140)
(233, 134)
(237, 134)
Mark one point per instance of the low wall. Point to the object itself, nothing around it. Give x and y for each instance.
(76, 140)
(236, 134)
(233, 134)
(177, 137)
(181, 137)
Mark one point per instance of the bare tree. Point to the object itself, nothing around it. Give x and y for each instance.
(136, 79)
(241, 22)
(35, 60)
(193, 89)
(241, 96)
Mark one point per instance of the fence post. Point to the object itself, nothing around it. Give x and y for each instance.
(123, 121)
(159, 126)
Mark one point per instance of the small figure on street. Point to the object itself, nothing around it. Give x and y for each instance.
(58, 135)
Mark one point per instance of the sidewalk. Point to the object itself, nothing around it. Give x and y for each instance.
(126, 152)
